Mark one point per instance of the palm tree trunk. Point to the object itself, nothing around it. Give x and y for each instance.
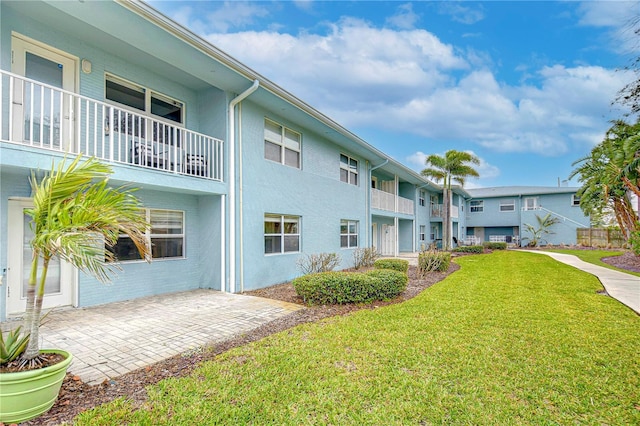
(446, 220)
(33, 324)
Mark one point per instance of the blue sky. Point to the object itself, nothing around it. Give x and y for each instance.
(525, 86)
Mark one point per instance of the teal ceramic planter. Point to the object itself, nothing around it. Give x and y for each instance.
(27, 394)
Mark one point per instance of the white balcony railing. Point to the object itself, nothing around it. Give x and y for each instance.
(43, 116)
(437, 210)
(382, 200)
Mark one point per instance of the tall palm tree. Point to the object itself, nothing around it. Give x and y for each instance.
(454, 166)
(74, 216)
(610, 172)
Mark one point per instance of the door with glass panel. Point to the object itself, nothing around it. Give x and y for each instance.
(42, 113)
(60, 276)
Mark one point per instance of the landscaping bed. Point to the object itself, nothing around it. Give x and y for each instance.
(76, 396)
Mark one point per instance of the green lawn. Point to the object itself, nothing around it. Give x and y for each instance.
(510, 338)
(594, 256)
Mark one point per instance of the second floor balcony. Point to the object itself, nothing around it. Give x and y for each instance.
(45, 117)
(382, 200)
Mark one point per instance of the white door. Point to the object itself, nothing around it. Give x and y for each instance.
(60, 277)
(388, 240)
(43, 116)
(374, 233)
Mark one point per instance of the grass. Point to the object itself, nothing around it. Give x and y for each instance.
(595, 256)
(511, 338)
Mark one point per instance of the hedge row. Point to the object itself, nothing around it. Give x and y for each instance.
(469, 249)
(495, 245)
(328, 288)
(400, 265)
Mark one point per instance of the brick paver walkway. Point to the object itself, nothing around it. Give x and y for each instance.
(110, 340)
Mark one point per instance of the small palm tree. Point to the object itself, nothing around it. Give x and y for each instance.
(75, 215)
(455, 165)
(544, 225)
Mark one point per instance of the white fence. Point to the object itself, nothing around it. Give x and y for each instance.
(43, 116)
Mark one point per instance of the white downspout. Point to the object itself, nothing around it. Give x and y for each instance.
(232, 182)
(369, 237)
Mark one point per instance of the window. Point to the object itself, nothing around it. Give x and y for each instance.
(281, 234)
(164, 112)
(507, 205)
(575, 200)
(138, 97)
(422, 232)
(530, 203)
(348, 170)
(476, 206)
(421, 198)
(348, 234)
(166, 237)
(281, 144)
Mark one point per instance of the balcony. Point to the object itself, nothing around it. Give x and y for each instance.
(382, 200)
(437, 210)
(42, 116)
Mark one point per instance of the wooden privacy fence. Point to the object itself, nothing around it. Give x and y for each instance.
(600, 237)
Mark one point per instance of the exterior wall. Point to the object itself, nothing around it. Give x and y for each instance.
(314, 192)
(423, 218)
(494, 222)
(405, 235)
(139, 279)
(491, 214)
(560, 205)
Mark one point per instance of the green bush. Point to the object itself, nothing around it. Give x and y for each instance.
(400, 265)
(469, 249)
(495, 245)
(634, 241)
(429, 261)
(329, 288)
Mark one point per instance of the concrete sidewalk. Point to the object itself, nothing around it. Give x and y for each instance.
(110, 340)
(623, 287)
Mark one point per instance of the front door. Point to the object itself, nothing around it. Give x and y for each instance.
(60, 277)
(388, 240)
(42, 115)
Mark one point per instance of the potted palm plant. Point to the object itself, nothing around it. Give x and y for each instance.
(75, 216)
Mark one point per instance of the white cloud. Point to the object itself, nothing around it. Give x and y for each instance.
(230, 15)
(405, 18)
(607, 13)
(409, 81)
(463, 14)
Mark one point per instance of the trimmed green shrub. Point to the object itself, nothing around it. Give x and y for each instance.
(400, 265)
(429, 261)
(469, 249)
(390, 283)
(495, 245)
(329, 288)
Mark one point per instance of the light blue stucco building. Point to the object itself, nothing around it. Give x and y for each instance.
(238, 176)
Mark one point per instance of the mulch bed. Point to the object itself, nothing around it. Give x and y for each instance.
(76, 396)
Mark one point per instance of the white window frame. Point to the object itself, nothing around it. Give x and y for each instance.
(351, 227)
(350, 168)
(421, 198)
(282, 219)
(575, 200)
(285, 141)
(507, 205)
(150, 236)
(525, 204)
(148, 95)
(423, 230)
(478, 207)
